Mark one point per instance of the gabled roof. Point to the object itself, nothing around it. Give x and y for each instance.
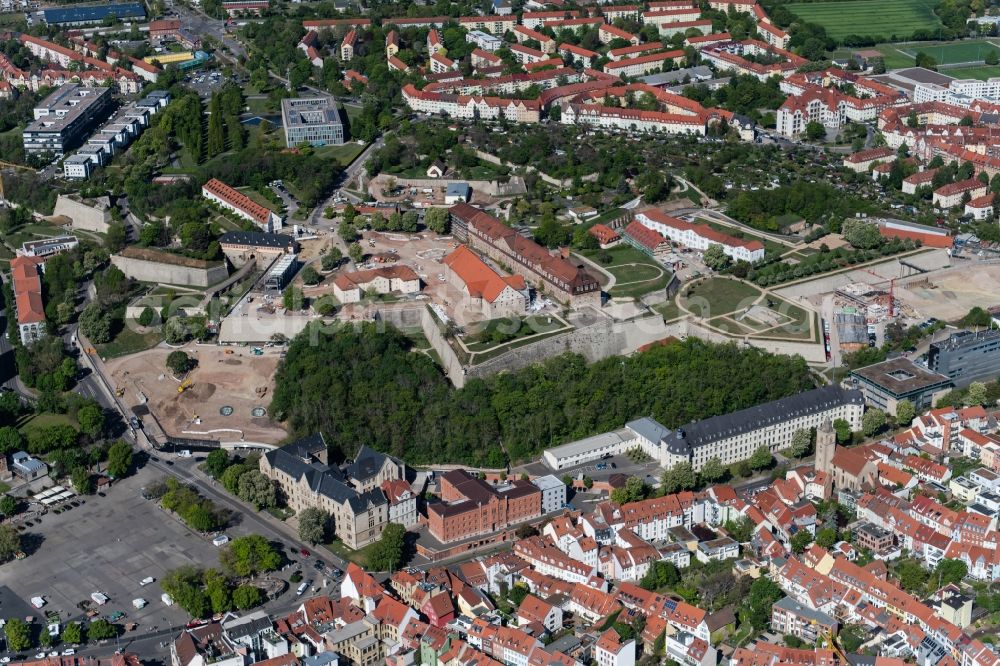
(479, 278)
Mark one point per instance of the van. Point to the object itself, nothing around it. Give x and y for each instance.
(185, 453)
(167, 599)
(301, 589)
(220, 541)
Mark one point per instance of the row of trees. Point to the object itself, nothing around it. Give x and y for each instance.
(401, 404)
(197, 512)
(20, 635)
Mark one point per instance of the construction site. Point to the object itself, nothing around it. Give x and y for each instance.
(224, 398)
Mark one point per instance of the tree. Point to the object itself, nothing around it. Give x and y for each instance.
(231, 477)
(355, 252)
(216, 463)
(184, 585)
(801, 441)
(332, 259)
(147, 316)
(91, 420)
(925, 60)
(8, 505)
(178, 362)
(310, 275)
(761, 458)
(826, 537)
(660, 575)
(72, 633)
(800, 541)
(95, 323)
(119, 459)
(872, 422)
(46, 639)
(18, 635)
(256, 489)
(313, 524)
(861, 234)
(292, 298)
(912, 576)
(992, 58)
(247, 596)
(11, 440)
(82, 482)
(10, 542)
(713, 470)
(715, 257)
(217, 590)
(437, 220)
(950, 571)
(843, 430)
(741, 530)
(250, 555)
(815, 131)
(387, 553)
(975, 395)
(679, 477)
(101, 629)
(905, 412)
(763, 593)
(633, 490)
(116, 238)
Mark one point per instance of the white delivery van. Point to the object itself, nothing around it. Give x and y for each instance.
(220, 541)
(99, 598)
(166, 599)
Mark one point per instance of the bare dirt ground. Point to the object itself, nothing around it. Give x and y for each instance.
(951, 294)
(238, 380)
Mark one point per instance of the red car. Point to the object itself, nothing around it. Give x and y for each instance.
(304, 552)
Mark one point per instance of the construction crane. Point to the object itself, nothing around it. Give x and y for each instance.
(892, 291)
(836, 647)
(9, 165)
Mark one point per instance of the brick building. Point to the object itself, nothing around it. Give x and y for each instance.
(471, 507)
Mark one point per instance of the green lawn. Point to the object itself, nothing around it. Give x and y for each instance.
(359, 557)
(510, 329)
(718, 296)
(128, 342)
(260, 105)
(260, 198)
(981, 73)
(344, 154)
(35, 421)
(636, 274)
(971, 50)
(889, 19)
(669, 310)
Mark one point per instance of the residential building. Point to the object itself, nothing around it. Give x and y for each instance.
(312, 120)
(862, 161)
(26, 284)
(350, 287)
(47, 247)
(645, 64)
(879, 541)
(884, 385)
(554, 274)
(352, 494)
(553, 492)
(28, 467)
(790, 618)
(482, 287)
(533, 609)
(472, 508)
(611, 650)
(402, 502)
(65, 118)
(920, 179)
(953, 194)
(348, 45)
(243, 206)
(966, 356)
(699, 236)
(980, 208)
(484, 40)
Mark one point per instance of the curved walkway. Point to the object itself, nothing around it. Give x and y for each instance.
(597, 267)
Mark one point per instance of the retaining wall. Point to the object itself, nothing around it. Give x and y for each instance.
(90, 217)
(157, 272)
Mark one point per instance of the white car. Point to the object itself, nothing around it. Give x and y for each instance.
(68, 652)
(54, 653)
(40, 655)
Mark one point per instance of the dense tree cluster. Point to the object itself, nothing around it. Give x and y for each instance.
(400, 403)
(199, 513)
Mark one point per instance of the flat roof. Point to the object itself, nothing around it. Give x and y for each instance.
(309, 111)
(94, 13)
(900, 376)
(582, 446)
(63, 106)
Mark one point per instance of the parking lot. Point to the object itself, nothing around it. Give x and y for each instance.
(108, 545)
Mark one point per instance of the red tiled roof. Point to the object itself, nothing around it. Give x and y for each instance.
(261, 214)
(481, 280)
(961, 186)
(27, 290)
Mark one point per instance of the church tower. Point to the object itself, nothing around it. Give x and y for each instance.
(826, 446)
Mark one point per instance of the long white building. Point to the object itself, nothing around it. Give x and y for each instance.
(699, 236)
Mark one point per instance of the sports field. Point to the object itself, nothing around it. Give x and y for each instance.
(889, 19)
(947, 53)
(981, 73)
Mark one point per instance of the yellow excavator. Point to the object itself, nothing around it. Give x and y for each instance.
(185, 385)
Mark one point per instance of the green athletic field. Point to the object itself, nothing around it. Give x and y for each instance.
(890, 19)
(946, 53)
(981, 73)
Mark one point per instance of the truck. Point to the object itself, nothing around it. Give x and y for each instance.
(220, 541)
(138, 603)
(37, 602)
